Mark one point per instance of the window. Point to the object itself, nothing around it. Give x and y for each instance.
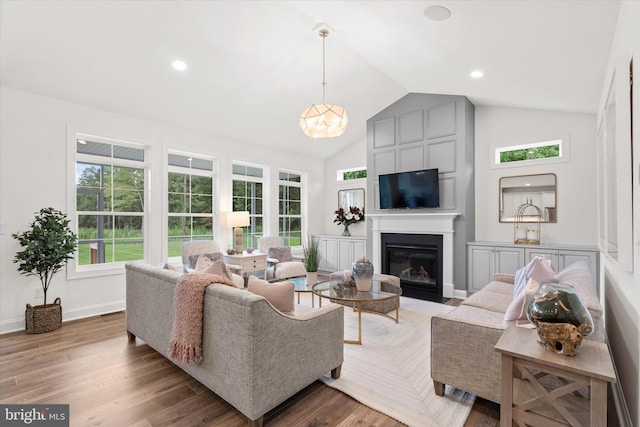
(347, 174)
(110, 201)
(290, 208)
(533, 151)
(248, 183)
(191, 200)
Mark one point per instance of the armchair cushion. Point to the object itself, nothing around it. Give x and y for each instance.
(219, 268)
(281, 253)
(205, 260)
(281, 295)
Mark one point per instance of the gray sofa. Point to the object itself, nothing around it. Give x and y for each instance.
(463, 340)
(254, 357)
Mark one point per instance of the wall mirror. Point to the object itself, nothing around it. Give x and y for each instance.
(353, 197)
(539, 190)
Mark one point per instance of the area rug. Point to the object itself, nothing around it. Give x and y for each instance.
(390, 371)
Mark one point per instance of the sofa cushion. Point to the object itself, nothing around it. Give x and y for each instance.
(500, 287)
(490, 300)
(538, 269)
(281, 294)
(517, 310)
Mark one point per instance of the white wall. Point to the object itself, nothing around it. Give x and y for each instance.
(34, 174)
(576, 194)
(622, 288)
(354, 156)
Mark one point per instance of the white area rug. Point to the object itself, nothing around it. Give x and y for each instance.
(390, 371)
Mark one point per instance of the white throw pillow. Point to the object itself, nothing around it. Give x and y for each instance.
(517, 310)
(539, 268)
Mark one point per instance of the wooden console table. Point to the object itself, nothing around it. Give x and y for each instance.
(543, 388)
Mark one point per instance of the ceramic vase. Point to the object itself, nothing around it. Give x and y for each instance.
(561, 318)
(362, 274)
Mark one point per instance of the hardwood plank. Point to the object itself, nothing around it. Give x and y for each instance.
(108, 381)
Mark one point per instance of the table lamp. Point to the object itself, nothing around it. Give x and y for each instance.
(237, 220)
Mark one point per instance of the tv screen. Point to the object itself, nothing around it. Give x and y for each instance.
(416, 189)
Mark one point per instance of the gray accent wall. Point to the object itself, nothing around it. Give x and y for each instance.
(424, 131)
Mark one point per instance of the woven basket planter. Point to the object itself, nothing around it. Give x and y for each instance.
(43, 318)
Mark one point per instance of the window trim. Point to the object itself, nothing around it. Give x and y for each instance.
(264, 180)
(73, 270)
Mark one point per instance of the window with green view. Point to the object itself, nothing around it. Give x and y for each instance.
(191, 200)
(110, 201)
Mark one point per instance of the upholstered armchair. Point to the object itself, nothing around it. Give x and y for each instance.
(281, 264)
(191, 250)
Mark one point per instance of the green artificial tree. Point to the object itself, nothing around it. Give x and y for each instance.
(48, 246)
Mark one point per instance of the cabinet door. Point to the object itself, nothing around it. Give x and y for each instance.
(327, 249)
(345, 255)
(551, 254)
(509, 260)
(481, 266)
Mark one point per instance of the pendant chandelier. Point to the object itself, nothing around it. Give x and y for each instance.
(323, 120)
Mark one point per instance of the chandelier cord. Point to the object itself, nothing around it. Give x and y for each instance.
(323, 33)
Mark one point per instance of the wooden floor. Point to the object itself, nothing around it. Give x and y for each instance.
(107, 381)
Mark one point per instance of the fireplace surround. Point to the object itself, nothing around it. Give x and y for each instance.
(441, 224)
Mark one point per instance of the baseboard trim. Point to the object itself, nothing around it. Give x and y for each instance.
(619, 402)
(460, 293)
(17, 324)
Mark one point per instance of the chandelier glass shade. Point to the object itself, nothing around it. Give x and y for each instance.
(323, 120)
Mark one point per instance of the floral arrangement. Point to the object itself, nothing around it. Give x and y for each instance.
(346, 218)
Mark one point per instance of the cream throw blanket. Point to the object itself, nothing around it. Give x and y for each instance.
(186, 335)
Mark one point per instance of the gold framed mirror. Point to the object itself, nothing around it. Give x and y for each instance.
(539, 190)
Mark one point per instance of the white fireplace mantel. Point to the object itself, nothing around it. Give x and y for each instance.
(418, 223)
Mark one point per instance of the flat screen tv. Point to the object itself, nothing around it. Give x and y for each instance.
(412, 190)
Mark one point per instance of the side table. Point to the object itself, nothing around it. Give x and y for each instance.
(248, 263)
(545, 390)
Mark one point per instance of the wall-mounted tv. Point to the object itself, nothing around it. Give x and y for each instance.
(413, 190)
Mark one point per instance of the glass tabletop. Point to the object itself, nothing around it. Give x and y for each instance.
(300, 284)
(338, 290)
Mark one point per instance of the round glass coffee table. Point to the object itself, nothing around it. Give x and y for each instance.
(336, 290)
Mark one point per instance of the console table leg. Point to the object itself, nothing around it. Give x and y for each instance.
(506, 392)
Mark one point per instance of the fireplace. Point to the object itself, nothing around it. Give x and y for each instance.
(417, 260)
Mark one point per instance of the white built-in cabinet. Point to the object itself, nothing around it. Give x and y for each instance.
(487, 258)
(339, 252)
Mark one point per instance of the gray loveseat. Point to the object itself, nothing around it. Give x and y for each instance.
(463, 341)
(254, 357)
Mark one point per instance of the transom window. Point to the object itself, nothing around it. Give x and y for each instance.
(354, 173)
(191, 200)
(110, 200)
(533, 151)
(290, 208)
(248, 182)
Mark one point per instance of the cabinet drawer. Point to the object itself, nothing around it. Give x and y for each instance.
(260, 263)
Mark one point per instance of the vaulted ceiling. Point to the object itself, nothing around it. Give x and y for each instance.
(254, 66)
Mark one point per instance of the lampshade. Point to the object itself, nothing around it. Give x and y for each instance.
(238, 219)
(323, 120)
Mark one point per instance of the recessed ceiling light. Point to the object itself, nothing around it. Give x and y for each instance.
(437, 13)
(179, 65)
(476, 74)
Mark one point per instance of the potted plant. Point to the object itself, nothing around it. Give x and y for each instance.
(48, 245)
(311, 259)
